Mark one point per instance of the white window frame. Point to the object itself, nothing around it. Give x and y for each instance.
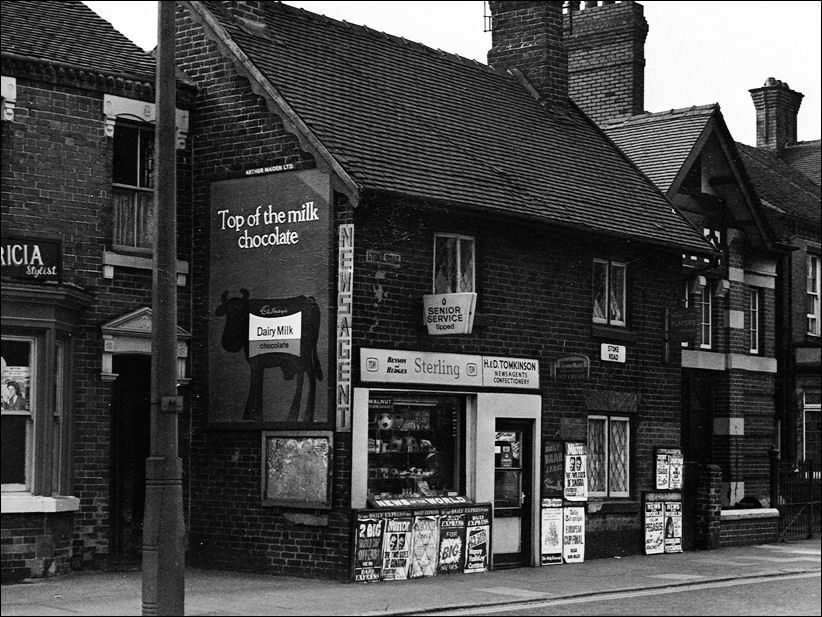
(706, 319)
(608, 493)
(754, 309)
(813, 284)
(134, 190)
(31, 413)
(460, 238)
(608, 320)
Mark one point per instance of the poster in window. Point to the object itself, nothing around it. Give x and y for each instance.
(368, 554)
(654, 528)
(16, 376)
(425, 544)
(552, 532)
(573, 534)
(576, 474)
(396, 548)
(452, 541)
(673, 526)
(553, 462)
(297, 469)
(268, 299)
(477, 539)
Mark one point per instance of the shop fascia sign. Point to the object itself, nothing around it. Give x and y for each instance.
(422, 367)
(32, 259)
(449, 313)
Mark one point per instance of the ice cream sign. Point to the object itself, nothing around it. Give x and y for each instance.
(272, 330)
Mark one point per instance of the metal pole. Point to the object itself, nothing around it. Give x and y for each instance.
(163, 528)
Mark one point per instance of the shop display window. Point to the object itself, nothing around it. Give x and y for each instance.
(416, 446)
(17, 356)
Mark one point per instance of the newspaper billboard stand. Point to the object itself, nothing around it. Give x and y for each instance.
(663, 507)
(412, 542)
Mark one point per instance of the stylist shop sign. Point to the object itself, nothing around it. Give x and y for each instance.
(449, 313)
(31, 259)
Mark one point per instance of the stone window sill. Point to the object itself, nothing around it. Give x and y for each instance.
(112, 259)
(23, 503)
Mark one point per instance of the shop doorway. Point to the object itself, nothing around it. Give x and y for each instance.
(511, 542)
(130, 443)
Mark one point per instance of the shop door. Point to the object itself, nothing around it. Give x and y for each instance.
(131, 434)
(511, 541)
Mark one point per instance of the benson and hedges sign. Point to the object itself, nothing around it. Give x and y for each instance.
(422, 367)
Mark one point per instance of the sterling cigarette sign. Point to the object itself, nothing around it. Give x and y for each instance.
(393, 366)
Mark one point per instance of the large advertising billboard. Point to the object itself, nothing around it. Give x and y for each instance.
(268, 298)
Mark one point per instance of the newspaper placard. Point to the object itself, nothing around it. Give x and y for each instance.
(553, 468)
(425, 545)
(673, 526)
(368, 555)
(576, 475)
(477, 539)
(552, 532)
(573, 533)
(669, 462)
(452, 542)
(396, 548)
(654, 528)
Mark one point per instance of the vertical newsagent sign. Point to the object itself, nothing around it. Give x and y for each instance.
(268, 298)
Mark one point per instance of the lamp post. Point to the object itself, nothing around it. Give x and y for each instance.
(163, 527)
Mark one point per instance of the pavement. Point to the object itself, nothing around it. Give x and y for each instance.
(217, 592)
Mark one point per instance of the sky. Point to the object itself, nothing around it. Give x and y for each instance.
(696, 53)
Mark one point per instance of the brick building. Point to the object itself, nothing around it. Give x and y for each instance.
(786, 174)
(414, 282)
(77, 143)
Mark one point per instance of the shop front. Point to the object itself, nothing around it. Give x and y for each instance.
(444, 450)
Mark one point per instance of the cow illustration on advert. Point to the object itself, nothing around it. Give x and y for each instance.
(274, 333)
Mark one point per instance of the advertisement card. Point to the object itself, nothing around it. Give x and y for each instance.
(396, 548)
(654, 528)
(477, 539)
(573, 532)
(576, 474)
(552, 532)
(452, 542)
(673, 526)
(425, 546)
(368, 552)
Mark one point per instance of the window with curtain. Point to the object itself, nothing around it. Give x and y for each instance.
(813, 285)
(454, 264)
(609, 292)
(133, 177)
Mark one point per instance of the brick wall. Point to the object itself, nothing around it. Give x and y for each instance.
(35, 545)
(606, 59)
(56, 182)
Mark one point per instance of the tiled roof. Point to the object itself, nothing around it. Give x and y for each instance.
(782, 186)
(68, 32)
(806, 156)
(405, 118)
(659, 143)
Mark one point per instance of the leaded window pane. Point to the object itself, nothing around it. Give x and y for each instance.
(466, 265)
(600, 291)
(617, 293)
(618, 457)
(597, 481)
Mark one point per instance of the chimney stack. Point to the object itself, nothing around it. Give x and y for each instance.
(528, 36)
(776, 109)
(606, 58)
